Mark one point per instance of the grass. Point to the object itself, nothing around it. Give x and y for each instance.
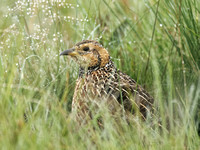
(155, 42)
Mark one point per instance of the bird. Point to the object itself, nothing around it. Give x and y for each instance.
(100, 82)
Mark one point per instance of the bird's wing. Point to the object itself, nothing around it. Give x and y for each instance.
(131, 95)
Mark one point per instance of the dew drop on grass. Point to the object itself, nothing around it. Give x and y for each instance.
(161, 25)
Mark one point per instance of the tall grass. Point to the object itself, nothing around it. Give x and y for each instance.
(157, 43)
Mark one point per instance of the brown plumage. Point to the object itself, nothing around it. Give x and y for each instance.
(100, 82)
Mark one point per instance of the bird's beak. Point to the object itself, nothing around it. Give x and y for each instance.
(70, 52)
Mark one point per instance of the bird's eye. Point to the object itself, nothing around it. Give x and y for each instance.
(86, 48)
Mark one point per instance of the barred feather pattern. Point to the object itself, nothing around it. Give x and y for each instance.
(108, 85)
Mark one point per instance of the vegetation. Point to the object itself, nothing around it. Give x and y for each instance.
(155, 42)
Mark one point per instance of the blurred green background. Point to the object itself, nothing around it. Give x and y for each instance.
(157, 43)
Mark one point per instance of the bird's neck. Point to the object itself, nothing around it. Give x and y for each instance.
(86, 71)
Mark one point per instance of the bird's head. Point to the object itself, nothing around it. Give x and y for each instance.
(88, 54)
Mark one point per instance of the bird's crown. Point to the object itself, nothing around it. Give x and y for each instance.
(89, 54)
